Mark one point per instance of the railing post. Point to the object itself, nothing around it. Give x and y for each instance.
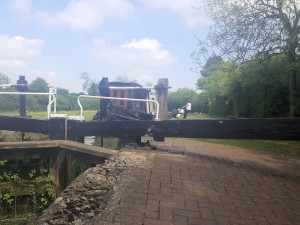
(162, 97)
(103, 91)
(22, 86)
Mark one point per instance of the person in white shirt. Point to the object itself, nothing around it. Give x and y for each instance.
(187, 108)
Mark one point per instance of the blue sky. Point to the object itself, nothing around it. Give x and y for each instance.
(142, 39)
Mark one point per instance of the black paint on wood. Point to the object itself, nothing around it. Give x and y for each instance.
(24, 124)
(57, 129)
(267, 129)
(264, 129)
(22, 86)
(103, 91)
(113, 128)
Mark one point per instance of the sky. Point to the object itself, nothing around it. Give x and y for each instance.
(142, 39)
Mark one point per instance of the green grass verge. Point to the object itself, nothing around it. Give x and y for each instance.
(285, 147)
(194, 116)
(88, 114)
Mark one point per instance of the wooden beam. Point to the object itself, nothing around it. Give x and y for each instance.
(268, 129)
(24, 124)
(263, 129)
(162, 97)
(110, 128)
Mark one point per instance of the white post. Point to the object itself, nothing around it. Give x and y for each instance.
(53, 91)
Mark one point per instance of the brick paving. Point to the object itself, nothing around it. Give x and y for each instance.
(212, 185)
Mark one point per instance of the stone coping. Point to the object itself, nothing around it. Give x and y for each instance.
(69, 145)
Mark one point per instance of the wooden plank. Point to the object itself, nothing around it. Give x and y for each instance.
(110, 128)
(162, 97)
(268, 129)
(24, 124)
(263, 129)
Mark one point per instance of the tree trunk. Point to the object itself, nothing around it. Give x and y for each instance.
(291, 59)
(292, 93)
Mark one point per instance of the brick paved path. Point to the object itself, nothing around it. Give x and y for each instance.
(212, 184)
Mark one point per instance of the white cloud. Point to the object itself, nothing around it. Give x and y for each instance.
(144, 54)
(18, 47)
(16, 51)
(192, 11)
(87, 14)
(16, 56)
(149, 46)
(6, 64)
(20, 5)
(142, 60)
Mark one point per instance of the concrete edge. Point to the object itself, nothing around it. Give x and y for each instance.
(69, 145)
(94, 150)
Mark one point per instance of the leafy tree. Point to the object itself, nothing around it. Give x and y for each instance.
(180, 97)
(258, 88)
(4, 79)
(62, 91)
(38, 102)
(211, 64)
(125, 78)
(93, 89)
(8, 102)
(261, 28)
(39, 85)
(215, 86)
(89, 85)
(262, 89)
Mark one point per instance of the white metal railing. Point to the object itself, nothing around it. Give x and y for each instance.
(53, 100)
(115, 98)
(12, 85)
(146, 88)
(5, 85)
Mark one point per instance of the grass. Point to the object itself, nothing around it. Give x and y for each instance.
(194, 116)
(88, 114)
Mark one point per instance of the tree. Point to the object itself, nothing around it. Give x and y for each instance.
(62, 91)
(215, 86)
(258, 88)
(211, 64)
(4, 79)
(38, 102)
(125, 79)
(90, 86)
(8, 102)
(180, 97)
(39, 85)
(261, 28)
